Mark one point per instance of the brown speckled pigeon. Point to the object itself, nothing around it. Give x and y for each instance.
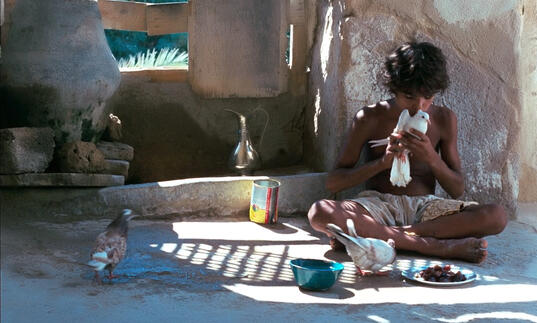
(111, 245)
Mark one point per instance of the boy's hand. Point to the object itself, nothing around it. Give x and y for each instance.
(393, 149)
(396, 146)
(421, 149)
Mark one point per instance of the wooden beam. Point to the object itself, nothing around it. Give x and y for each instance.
(296, 12)
(160, 75)
(169, 18)
(1, 12)
(123, 15)
(299, 39)
(298, 77)
(8, 6)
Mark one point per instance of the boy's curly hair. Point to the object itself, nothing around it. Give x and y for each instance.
(416, 68)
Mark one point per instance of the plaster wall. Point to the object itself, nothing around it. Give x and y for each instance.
(528, 83)
(178, 134)
(325, 121)
(180, 130)
(482, 43)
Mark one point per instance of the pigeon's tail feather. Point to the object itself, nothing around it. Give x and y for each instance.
(99, 260)
(335, 230)
(343, 237)
(97, 265)
(338, 233)
(400, 172)
(379, 142)
(352, 229)
(395, 173)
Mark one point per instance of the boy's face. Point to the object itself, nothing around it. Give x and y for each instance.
(413, 101)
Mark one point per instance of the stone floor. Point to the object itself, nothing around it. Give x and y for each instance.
(205, 269)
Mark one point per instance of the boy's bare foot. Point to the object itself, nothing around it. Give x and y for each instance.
(469, 249)
(336, 245)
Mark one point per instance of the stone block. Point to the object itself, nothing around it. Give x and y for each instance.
(25, 150)
(116, 150)
(80, 157)
(116, 167)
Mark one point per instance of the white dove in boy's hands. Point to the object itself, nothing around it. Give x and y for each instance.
(419, 122)
(400, 172)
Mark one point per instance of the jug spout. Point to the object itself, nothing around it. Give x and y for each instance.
(241, 118)
(244, 159)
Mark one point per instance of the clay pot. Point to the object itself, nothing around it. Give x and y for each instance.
(57, 69)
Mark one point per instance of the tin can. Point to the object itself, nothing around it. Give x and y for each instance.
(264, 201)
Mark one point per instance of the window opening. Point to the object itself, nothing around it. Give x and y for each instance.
(135, 50)
(289, 49)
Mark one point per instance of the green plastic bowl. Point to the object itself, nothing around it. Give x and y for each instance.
(314, 274)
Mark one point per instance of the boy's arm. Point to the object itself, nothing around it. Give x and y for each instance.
(347, 174)
(446, 167)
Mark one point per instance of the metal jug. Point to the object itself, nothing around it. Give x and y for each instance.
(244, 159)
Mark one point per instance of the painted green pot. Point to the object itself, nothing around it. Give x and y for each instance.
(315, 274)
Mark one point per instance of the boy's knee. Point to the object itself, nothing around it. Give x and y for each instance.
(315, 210)
(318, 211)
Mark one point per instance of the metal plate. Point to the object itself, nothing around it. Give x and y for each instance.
(413, 275)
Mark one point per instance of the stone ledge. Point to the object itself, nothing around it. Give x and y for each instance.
(116, 167)
(115, 150)
(61, 179)
(206, 196)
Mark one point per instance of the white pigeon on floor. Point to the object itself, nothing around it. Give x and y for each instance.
(366, 253)
(400, 172)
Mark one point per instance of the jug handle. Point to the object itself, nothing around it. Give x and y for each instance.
(265, 128)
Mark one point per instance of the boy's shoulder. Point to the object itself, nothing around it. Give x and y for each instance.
(442, 113)
(373, 111)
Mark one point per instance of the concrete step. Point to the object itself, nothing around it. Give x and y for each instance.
(206, 196)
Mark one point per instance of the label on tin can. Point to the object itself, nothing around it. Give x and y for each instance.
(264, 201)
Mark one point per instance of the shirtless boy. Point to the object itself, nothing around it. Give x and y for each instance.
(412, 216)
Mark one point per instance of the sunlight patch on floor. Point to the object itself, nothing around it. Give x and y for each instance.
(271, 262)
(240, 231)
(248, 262)
(490, 315)
(378, 319)
(411, 295)
(261, 254)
